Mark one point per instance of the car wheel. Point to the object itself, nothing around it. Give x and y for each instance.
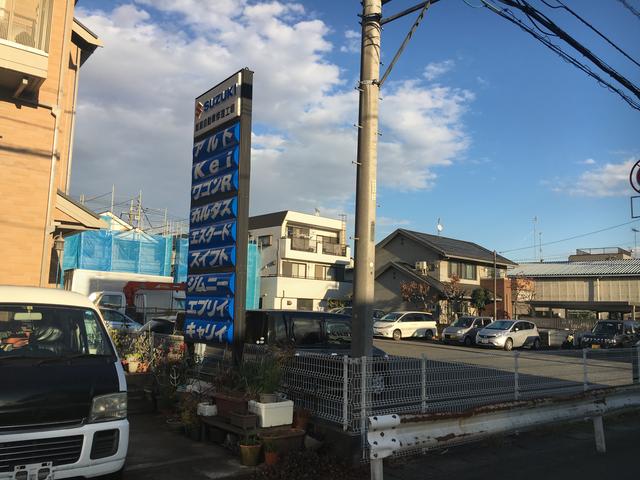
(508, 345)
(397, 335)
(536, 344)
(467, 341)
(428, 335)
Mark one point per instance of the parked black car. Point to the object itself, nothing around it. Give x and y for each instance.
(320, 332)
(612, 333)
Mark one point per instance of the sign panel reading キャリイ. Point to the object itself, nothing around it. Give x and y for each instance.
(217, 261)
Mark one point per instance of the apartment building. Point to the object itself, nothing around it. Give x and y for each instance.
(303, 260)
(42, 47)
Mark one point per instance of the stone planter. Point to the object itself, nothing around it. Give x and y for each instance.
(273, 414)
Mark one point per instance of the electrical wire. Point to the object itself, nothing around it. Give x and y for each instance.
(563, 6)
(509, 16)
(530, 11)
(572, 237)
(630, 8)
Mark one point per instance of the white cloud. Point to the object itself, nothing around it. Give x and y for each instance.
(588, 161)
(608, 180)
(352, 44)
(436, 69)
(135, 108)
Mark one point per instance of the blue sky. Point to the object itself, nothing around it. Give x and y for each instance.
(483, 127)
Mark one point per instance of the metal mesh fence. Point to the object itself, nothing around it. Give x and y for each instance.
(346, 391)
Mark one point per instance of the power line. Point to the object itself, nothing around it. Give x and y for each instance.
(531, 12)
(563, 6)
(509, 16)
(630, 7)
(573, 237)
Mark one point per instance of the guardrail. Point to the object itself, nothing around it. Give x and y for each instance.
(398, 434)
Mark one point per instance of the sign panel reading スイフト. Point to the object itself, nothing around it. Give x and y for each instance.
(218, 234)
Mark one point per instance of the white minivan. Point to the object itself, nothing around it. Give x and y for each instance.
(399, 325)
(63, 393)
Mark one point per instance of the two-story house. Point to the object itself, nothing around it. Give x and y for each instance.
(42, 47)
(408, 256)
(303, 260)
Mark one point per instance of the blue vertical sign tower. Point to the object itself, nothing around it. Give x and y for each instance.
(218, 231)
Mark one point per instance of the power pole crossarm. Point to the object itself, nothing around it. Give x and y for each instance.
(363, 288)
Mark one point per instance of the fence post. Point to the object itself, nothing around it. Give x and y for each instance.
(516, 377)
(423, 381)
(584, 370)
(345, 393)
(363, 404)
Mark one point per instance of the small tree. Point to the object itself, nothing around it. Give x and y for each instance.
(523, 290)
(416, 293)
(453, 292)
(480, 297)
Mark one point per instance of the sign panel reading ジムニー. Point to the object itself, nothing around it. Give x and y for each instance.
(218, 232)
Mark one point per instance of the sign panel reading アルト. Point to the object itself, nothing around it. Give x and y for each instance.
(217, 263)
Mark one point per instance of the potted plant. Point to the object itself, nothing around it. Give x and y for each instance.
(271, 455)
(250, 451)
(133, 362)
(189, 417)
(301, 418)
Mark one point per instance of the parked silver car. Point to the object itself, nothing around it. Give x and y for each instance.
(509, 334)
(465, 329)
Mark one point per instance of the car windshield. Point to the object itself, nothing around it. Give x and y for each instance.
(607, 328)
(463, 322)
(51, 331)
(501, 325)
(390, 317)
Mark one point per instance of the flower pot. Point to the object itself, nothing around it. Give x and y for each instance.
(132, 366)
(250, 455)
(273, 414)
(301, 418)
(271, 458)
(228, 403)
(285, 440)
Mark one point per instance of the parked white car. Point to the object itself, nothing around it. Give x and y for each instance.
(399, 325)
(509, 334)
(119, 321)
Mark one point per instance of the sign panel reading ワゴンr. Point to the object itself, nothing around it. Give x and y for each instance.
(218, 230)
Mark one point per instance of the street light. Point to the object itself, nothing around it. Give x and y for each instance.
(58, 246)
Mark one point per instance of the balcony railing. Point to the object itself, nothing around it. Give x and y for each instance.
(303, 244)
(29, 27)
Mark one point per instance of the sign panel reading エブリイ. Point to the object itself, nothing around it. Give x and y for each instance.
(217, 262)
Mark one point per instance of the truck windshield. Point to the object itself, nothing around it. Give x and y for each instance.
(45, 331)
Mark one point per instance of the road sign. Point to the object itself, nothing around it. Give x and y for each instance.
(634, 176)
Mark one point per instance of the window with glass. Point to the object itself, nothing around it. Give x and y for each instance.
(294, 270)
(26, 22)
(307, 331)
(464, 271)
(35, 331)
(265, 240)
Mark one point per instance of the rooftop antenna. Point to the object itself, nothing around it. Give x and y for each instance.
(439, 227)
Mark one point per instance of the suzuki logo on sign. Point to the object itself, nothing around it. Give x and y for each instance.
(219, 105)
(219, 98)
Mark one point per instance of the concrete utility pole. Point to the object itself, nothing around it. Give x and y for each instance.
(364, 278)
(495, 288)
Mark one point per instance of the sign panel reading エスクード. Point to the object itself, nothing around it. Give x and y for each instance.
(217, 263)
